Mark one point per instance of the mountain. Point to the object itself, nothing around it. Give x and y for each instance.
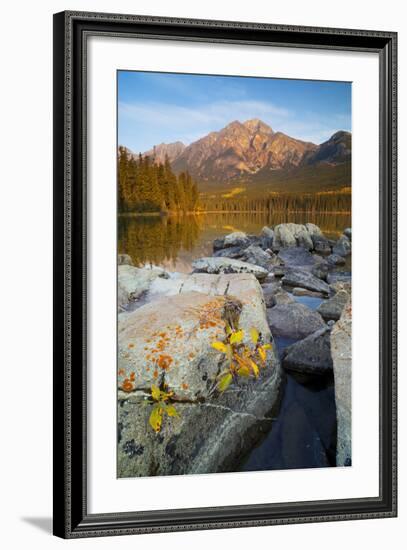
(252, 154)
(241, 149)
(336, 150)
(172, 150)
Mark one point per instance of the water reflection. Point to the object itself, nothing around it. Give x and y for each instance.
(175, 241)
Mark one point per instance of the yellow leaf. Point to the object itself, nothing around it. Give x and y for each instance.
(262, 354)
(267, 346)
(255, 368)
(156, 418)
(220, 346)
(225, 382)
(171, 410)
(254, 335)
(236, 337)
(243, 371)
(155, 392)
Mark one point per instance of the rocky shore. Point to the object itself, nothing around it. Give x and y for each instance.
(178, 334)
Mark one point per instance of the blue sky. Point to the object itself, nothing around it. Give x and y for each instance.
(163, 107)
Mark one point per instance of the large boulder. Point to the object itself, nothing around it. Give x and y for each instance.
(291, 234)
(133, 282)
(293, 320)
(341, 350)
(343, 246)
(295, 277)
(237, 238)
(227, 265)
(168, 341)
(312, 355)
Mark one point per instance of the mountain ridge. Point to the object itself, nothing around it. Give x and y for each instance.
(249, 151)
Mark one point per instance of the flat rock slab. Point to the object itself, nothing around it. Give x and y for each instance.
(227, 265)
(293, 320)
(295, 277)
(312, 355)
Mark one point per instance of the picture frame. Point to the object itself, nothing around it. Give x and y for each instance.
(71, 516)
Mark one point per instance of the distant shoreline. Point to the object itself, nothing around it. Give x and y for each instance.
(203, 212)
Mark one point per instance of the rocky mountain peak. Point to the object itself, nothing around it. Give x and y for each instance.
(255, 125)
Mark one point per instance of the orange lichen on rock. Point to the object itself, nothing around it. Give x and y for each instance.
(184, 386)
(164, 361)
(127, 385)
(131, 345)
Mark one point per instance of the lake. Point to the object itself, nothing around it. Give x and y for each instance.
(174, 242)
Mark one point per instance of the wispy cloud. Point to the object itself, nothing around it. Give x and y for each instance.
(190, 123)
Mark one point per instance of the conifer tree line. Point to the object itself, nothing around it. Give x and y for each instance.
(340, 201)
(148, 186)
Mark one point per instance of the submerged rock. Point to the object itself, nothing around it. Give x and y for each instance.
(293, 320)
(312, 355)
(169, 340)
(341, 349)
(227, 265)
(298, 291)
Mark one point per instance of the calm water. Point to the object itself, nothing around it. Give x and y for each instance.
(175, 241)
(303, 435)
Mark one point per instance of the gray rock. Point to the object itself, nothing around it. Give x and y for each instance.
(227, 265)
(253, 254)
(234, 252)
(338, 277)
(267, 236)
(332, 308)
(269, 291)
(237, 238)
(335, 259)
(295, 277)
(341, 350)
(296, 257)
(313, 230)
(280, 297)
(291, 234)
(320, 270)
(321, 245)
(172, 336)
(124, 259)
(297, 291)
(293, 320)
(342, 246)
(133, 282)
(348, 233)
(312, 355)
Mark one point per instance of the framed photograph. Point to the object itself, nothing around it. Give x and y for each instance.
(224, 274)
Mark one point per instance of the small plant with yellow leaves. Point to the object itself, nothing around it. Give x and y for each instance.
(161, 406)
(243, 361)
